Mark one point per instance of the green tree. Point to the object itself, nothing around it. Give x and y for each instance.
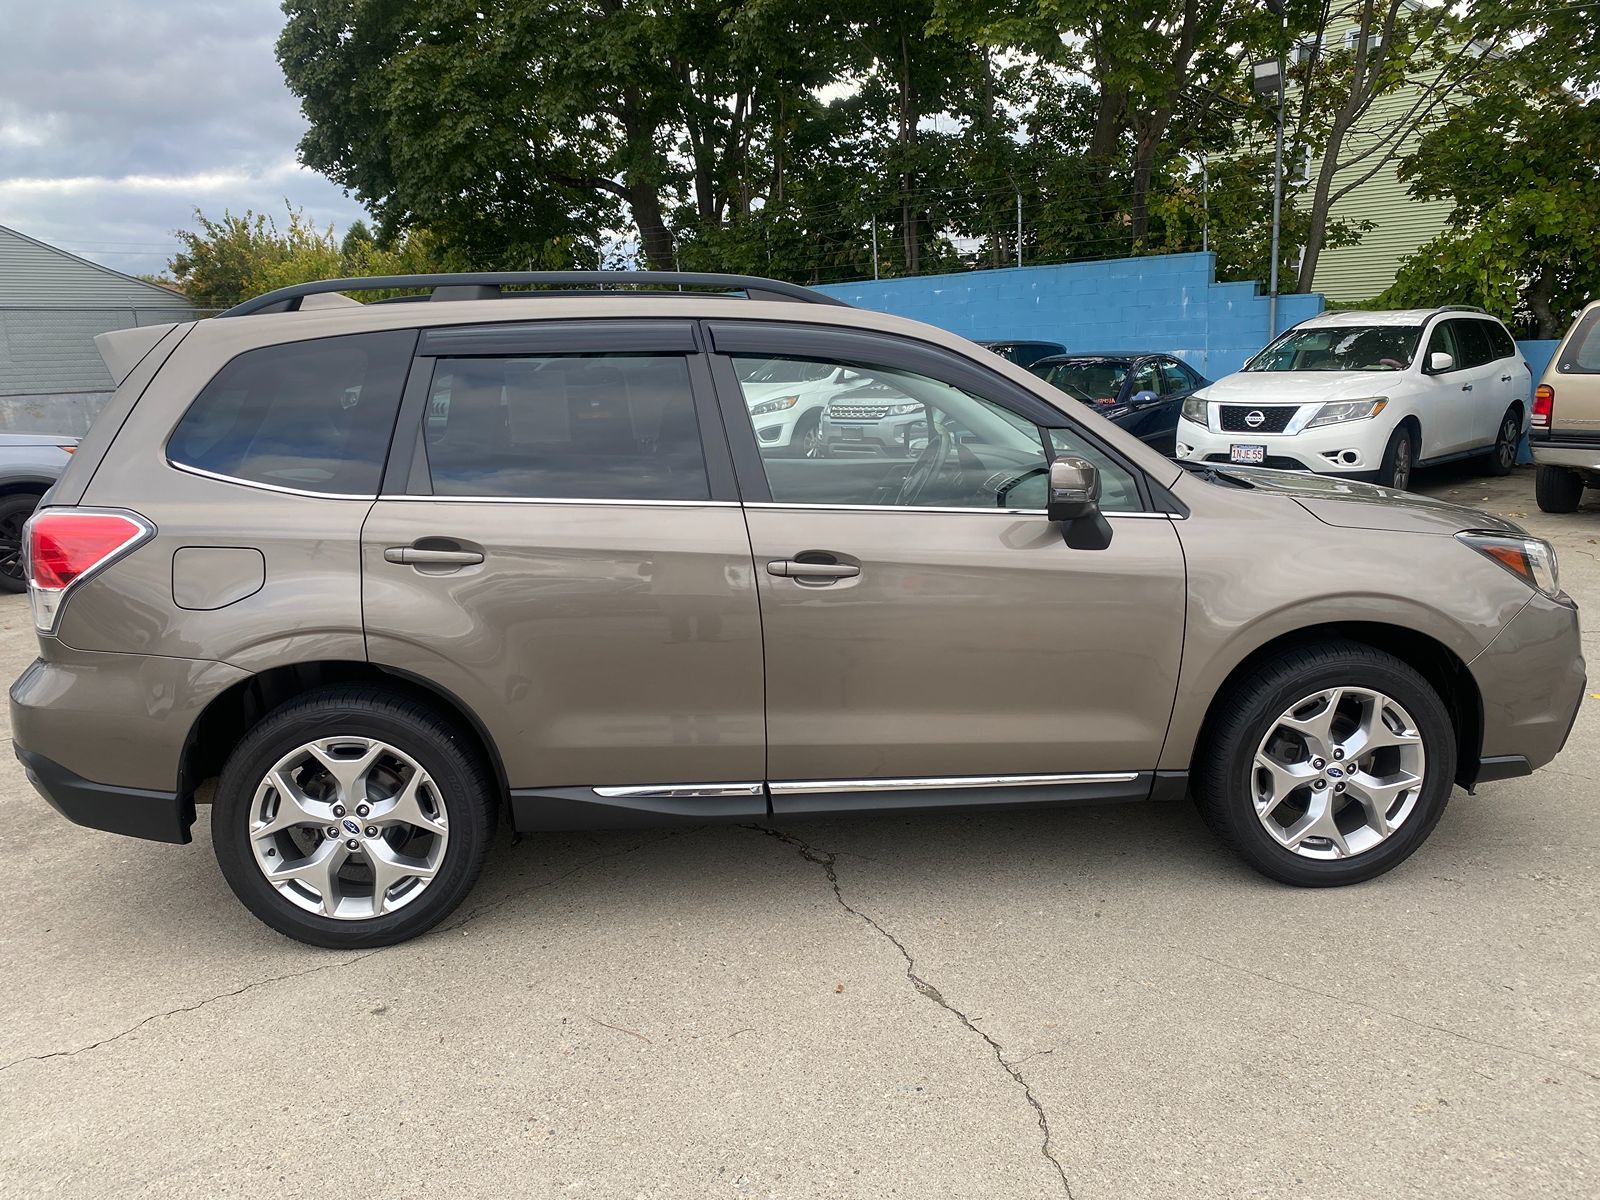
(1522, 166)
(228, 260)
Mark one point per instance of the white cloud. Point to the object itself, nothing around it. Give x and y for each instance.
(118, 119)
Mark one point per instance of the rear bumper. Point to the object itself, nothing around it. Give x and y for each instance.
(1582, 458)
(135, 812)
(1532, 679)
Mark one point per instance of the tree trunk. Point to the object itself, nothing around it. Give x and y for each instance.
(655, 240)
(1541, 290)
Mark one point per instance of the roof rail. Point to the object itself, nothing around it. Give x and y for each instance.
(1461, 308)
(486, 285)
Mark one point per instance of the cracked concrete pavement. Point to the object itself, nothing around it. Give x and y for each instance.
(1096, 1002)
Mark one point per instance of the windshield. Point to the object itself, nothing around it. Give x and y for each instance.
(1092, 380)
(1342, 348)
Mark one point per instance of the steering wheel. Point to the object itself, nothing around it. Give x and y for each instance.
(1392, 362)
(925, 468)
(1005, 489)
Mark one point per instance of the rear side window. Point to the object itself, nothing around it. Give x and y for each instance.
(314, 416)
(1580, 353)
(1499, 339)
(565, 427)
(1473, 338)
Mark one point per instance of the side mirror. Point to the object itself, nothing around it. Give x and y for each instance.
(1145, 397)
(1440, 361)
(1074, 489)
(1074, 502)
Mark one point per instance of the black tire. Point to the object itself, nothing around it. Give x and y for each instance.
(14, 513)
(465, 787)
(1223, 777)
(1557, 489)
(1399, 456)
(1507, 439)
(806, 441)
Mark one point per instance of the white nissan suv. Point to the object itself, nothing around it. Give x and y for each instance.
(1368, 395)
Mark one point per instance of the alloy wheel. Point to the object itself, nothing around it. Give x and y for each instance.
(348, 827)
(11, 544)
(1402, 464)
(1506, 448)
(1338, 773)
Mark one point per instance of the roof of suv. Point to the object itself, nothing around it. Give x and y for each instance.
(1393, 316)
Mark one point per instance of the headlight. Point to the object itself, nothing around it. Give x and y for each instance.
(772, 406)
(1530, 559)
(1194, 409)
(1336, 411)
(901, 410)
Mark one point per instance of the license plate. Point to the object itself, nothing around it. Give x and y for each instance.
(851, 433)
(1247, 454)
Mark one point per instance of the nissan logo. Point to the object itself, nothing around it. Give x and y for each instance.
(1255, 418)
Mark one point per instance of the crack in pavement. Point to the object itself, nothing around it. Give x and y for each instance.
(825, 860)
(1394, 1016)
(328, 966)
(187, 1008)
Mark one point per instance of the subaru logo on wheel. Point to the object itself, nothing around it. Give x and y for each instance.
(1255, 418)
(1334, 771)
(350, 826)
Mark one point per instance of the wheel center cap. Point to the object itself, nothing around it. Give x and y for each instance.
(351, 827)
(1333, 773)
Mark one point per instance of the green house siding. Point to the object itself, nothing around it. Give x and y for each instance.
(1399, 224)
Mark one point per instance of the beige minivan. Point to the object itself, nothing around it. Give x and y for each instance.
(1565, 427)
(390, 573)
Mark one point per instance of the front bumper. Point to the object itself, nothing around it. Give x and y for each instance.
(1532, 679)
(1351, 448)
(135, 812)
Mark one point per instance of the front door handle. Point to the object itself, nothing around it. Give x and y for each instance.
(1466, 387)
(790, 568)
(437, 558)
(1505, 379)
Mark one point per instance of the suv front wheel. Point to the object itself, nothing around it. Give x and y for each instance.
(353, 817)
(1329, 765)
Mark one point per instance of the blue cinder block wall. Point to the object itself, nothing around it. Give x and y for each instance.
(1168, 302)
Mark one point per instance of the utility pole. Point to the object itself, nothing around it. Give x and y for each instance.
(874, 247)
(1268, 78)
(1019, 229)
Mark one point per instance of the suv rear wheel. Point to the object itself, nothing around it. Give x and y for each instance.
(1329, 765)
(1557, 489)
(352, 817)
(14, 513)
(1503, 458)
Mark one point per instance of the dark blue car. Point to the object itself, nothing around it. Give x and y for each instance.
(1141, 392)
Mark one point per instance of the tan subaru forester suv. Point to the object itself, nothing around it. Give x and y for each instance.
(389, 572)
(1565, 426)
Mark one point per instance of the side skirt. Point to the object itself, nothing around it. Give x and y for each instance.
(650, 806)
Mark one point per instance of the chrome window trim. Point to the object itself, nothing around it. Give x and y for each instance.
(937, 783)
(269, 487)
(677, 791)
(556, 500)
(1004, 512)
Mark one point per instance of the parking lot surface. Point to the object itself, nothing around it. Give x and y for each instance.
(1094, 1002)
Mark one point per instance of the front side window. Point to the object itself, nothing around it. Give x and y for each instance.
(1443, 341)
(313, 416)
(1341, 348)
(898, 439)
(565, 427)
(1147, 378)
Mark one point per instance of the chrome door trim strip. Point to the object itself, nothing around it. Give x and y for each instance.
(677, 791)
(883, 508)
(939, 783)
(269, 487)
(556, 500)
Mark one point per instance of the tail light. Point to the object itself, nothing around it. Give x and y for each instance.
(64, 546)
(1544, 406)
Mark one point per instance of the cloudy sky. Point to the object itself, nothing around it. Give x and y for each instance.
(119, 117)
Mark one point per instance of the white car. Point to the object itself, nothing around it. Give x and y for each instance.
(1368, 395)
(786, 398)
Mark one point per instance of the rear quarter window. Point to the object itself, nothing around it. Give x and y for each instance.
(1580, 353)
(313, 416)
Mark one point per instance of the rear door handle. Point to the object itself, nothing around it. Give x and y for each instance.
(1505, 379)
(442, 558)
(1466, 387)
(790, 568)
